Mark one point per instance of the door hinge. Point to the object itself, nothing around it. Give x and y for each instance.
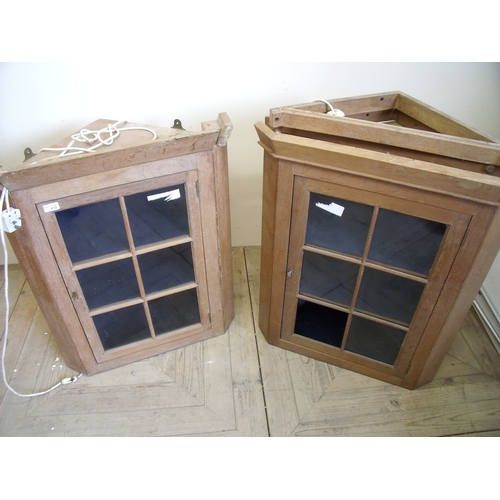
(197, 186)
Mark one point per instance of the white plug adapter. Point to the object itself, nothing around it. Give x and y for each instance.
(11, 220)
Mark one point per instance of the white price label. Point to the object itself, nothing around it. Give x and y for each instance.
(51, 207)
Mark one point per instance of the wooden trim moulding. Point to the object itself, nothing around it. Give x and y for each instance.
(396, 169)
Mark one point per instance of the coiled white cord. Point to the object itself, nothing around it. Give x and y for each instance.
(69, 380)
(94, 137)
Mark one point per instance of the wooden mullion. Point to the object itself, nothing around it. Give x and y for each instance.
(172, 291)
(137, 269)
(160, 245)
(371, 265)
(355, 293)
(106, 259)
(382, 320)
(396, 272)
(115, 306)
(331, 253)
(325, 303)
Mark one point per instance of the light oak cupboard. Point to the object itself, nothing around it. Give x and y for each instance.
(378, 229)
(128, 248)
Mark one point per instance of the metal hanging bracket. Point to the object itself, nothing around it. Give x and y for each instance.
(178, 124)
(28, 153)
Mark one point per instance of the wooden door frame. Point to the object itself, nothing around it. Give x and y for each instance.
(49, 221)
(457, 225)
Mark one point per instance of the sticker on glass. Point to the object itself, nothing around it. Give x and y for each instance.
(333, 208)
(167, 195)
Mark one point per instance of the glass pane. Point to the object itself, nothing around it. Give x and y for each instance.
(175, 311)
(389, 296)
(328, 278)
(108, 283)
(122, 327)
(373, 340)
(345, 233)
(320, 323)
(166, 268)
(93, 230)
(156, 218)
(405, 241)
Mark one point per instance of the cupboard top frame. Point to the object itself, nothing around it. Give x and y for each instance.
(132, 148)
(390, 106)
(422, 128)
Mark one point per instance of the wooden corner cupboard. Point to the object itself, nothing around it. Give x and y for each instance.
(378, 229)
(128, 248)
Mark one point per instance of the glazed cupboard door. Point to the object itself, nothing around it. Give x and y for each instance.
(364, 272)
(132, 260)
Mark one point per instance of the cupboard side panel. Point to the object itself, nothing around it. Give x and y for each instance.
(468, 273)
(209, 236)
(282, 223)
(269, 192)
(222, 198)
(42, 273)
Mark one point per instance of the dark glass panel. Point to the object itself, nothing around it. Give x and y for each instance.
(108, 283)
(174, 311)
(158, 218)
(320, 323)
(374, 340)
(122, 327)
(328, 278)
(390, 296)
(166, 268)
(346, 233)
(93, 230)
(407, 242)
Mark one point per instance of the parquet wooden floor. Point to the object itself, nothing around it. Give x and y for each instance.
(239, 385)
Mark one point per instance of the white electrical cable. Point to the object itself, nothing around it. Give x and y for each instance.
(86, 136)
(333, 111)
(65, 381)
(93, 136)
